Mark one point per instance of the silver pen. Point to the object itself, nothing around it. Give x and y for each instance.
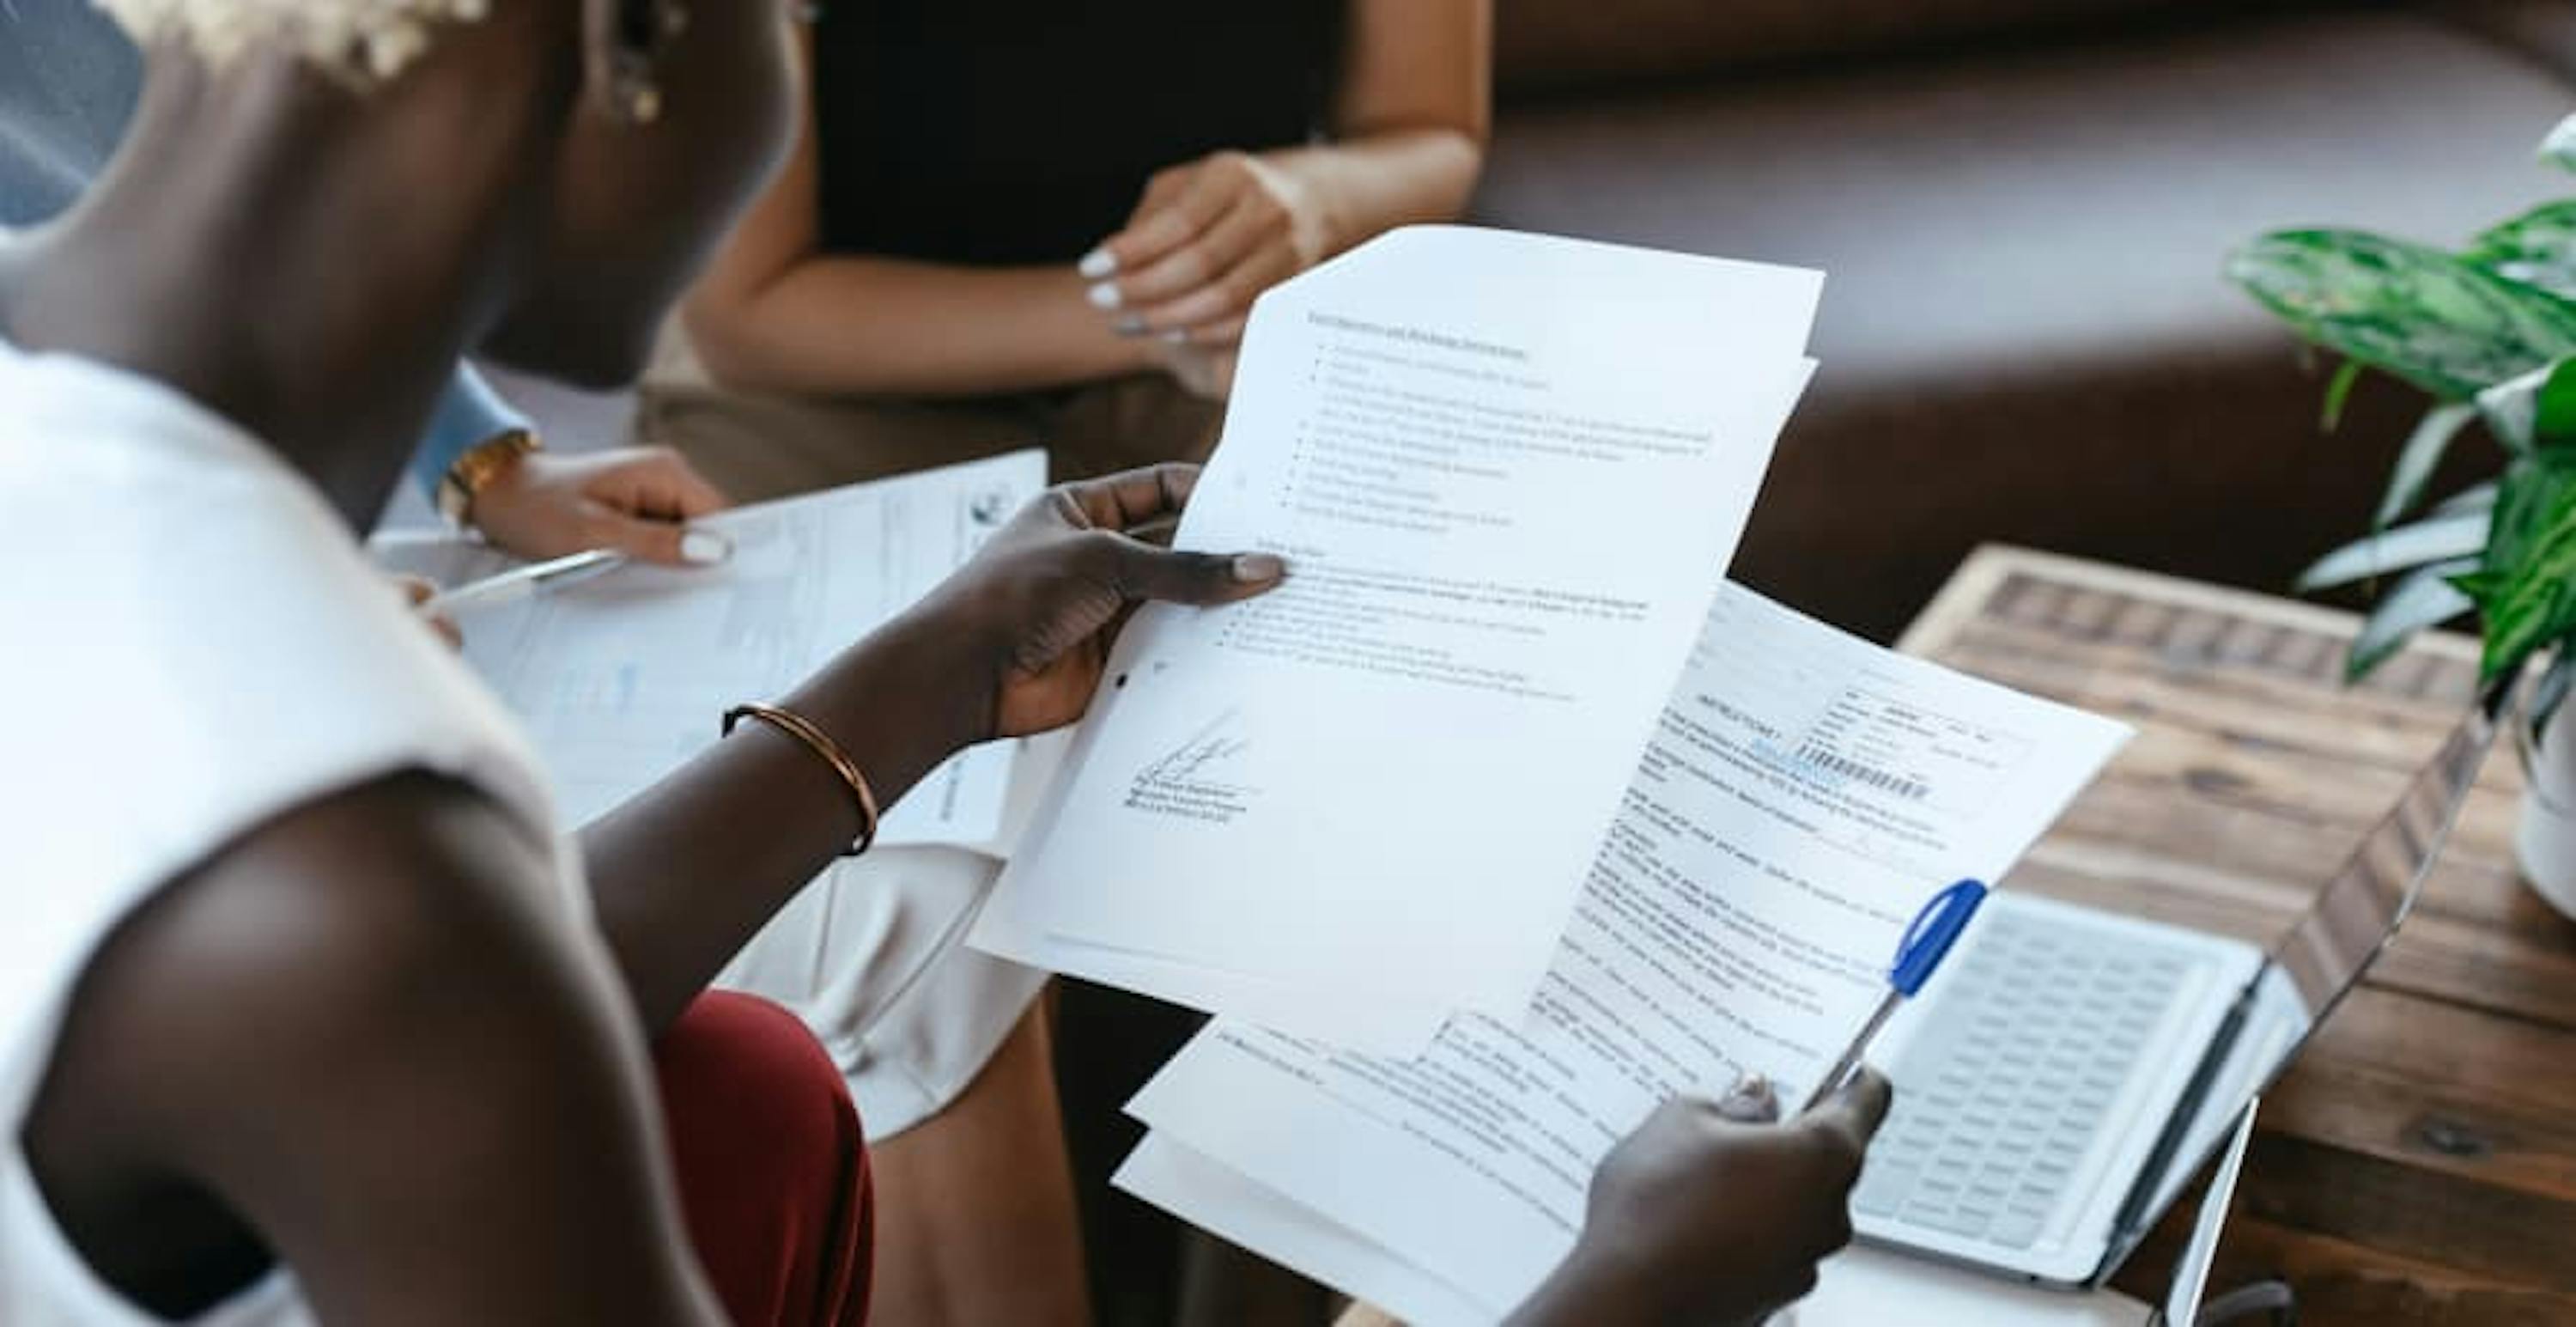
(520, 582)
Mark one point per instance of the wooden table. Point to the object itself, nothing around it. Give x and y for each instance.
(2418, 1166)
(2419, 1163)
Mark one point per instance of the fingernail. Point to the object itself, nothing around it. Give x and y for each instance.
(1751, 1086)
(1254, 568)
(1097, 264)
(1104, 295)
(1132, 324)
(1179, 336)
(704, 548)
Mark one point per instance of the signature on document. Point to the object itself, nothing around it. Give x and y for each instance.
(1201, 779)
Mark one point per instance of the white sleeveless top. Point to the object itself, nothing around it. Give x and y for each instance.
(195, 645)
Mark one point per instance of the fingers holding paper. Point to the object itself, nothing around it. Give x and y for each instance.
(1708, 1214)
(1039, 607)
(1122, 512)
(1129, 500)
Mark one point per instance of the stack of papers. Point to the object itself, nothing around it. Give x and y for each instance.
(1504, 819)
(1803, 795)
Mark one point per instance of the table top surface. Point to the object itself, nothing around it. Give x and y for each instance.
(2418, 1165)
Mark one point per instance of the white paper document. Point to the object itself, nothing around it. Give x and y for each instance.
(1859, 1287)
(1506, 472)
(1803, 795)
(623, 677)
(1178, 1180)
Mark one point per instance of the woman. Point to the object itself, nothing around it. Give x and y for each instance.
(305, 1011)
(1009, 222)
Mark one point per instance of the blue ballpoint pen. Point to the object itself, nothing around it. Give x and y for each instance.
(1918, 956)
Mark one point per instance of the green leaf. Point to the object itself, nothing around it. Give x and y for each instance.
(2339, 393)
(2407, 309)
(2438, 539)
(2537, 248)
(2425, 598)
(2560, 146)
(2537, 409)
(2525, 586)
(2423, 452)
(2527, 498)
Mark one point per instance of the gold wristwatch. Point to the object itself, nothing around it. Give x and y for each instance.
(474, 471)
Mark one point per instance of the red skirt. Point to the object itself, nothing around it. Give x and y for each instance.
(773, 1169)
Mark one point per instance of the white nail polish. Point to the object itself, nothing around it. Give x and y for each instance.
(704, 548)
(1105, 295)
(1097, 264)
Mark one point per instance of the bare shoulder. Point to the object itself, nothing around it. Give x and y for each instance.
(336, 922)
(372, 997)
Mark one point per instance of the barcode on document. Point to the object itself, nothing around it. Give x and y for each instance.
(1912, 790)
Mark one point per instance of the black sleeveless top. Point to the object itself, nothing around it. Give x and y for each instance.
(1022, 131)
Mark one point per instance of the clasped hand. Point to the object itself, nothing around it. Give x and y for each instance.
(1207, 238)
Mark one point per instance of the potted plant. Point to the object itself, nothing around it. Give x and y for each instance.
(2489, 333)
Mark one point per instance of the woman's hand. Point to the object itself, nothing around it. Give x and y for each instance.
(1209, 236)
(1012, 643)
(1027, 625)
(417, 591)
(634, 500)
(1708, 1213)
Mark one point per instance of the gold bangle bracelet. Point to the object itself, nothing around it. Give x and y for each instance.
(821, 744)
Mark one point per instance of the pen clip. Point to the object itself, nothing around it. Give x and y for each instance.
(1935, 929)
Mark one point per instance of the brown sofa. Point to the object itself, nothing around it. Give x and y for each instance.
(2023, 206)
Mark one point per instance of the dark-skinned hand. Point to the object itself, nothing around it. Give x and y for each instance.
(1709, 1214)
(1024, 629)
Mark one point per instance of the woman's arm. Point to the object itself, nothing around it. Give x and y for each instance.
(363, 1042)
(686, 872)
(1415, 114)
(634, 500)
(469, 414)
(777, 314)
(1409, 137)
